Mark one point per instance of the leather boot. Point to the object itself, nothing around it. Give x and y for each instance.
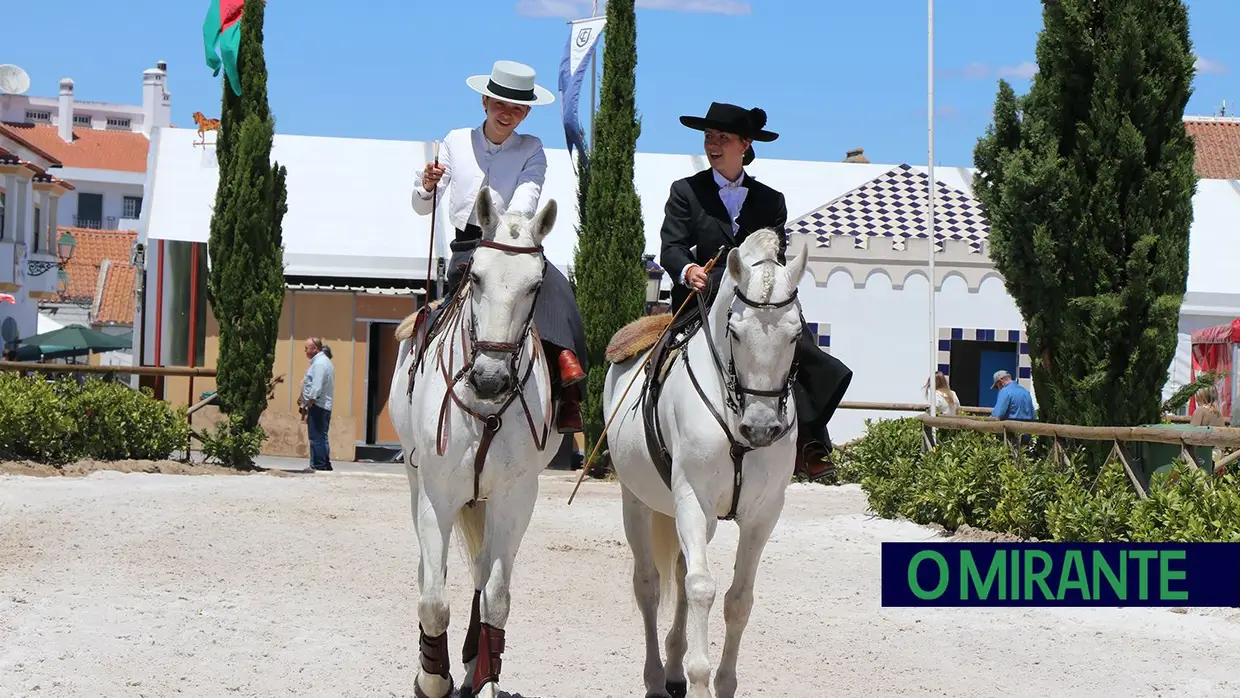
(813, 460)
(568, 415)
(570, 369)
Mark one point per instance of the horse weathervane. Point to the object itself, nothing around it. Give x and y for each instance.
(204, 124)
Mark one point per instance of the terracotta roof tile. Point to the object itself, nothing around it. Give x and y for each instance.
(115, 303)
(91, 148)
(1217, 141)
(94, 246)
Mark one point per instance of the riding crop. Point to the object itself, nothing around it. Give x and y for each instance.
(430, 252)
(692, 294)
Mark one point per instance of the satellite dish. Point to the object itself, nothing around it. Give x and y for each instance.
(13, 80)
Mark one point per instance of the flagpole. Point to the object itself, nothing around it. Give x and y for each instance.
(931, 198)
(593, 78)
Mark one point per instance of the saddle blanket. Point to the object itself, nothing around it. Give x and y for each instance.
(636, 337)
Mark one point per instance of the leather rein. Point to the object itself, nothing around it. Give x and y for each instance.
(468, 335)
(734, 393)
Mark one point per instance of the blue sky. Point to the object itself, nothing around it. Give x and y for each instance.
(831, 75)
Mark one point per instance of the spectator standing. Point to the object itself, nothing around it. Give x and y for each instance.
(317, 390)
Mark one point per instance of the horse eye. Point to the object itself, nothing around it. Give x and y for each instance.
(474, 279)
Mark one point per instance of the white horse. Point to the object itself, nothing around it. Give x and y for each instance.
(474, 430)
(738, 368)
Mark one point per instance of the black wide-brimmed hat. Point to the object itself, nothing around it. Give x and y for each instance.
(746, 123)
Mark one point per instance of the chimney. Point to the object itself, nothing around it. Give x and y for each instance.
(156, 110)
(66, 110)
(856, 155)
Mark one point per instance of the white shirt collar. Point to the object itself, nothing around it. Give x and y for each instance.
(487, 144)
(723, 181)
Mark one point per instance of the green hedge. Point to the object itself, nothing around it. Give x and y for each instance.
(59, 421)
(972, 478)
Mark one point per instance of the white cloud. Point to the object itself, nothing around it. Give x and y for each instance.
(1022, 71)
(575, 9)
(1205, 65)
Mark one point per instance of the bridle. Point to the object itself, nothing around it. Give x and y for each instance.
(733, 392)
(472, 345)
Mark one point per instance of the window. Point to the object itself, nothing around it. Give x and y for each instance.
(90, 210)
(81, 120)
(132, 207)
(37, 235)
(39, 117)
(176, 302)
(118, 124)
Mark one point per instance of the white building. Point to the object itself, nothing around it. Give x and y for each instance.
(866, 296)
(98, 152)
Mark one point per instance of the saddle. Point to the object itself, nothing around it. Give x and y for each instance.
(665, 354)
(415, 327)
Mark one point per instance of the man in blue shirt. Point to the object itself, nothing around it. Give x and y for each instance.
(317, 391)
(1014, 401)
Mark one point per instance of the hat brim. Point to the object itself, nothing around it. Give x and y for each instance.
(699, 123)
(479, 83)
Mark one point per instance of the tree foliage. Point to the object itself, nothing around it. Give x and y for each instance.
(1088, 184)
(246, 282)
(610, 275)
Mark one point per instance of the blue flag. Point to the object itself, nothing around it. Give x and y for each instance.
(582, 38)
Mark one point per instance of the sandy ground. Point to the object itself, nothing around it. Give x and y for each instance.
(139, 584)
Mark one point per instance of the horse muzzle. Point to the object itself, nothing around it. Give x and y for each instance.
(491, 380)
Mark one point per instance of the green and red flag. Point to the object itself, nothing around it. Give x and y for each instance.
(222, 28)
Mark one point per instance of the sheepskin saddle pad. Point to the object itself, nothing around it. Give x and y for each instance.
(636, 337)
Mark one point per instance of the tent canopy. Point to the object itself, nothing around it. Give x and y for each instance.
(74, 340)
(1219, 334)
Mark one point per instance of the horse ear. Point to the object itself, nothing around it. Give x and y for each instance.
(797, 268)
(735, 266)
(544, 221)
(488, 213)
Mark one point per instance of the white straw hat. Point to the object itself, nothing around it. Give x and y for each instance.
(511, 82)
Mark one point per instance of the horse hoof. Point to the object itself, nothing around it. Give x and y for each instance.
(419, 693)
(677, 689)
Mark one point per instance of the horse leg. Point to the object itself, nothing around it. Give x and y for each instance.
(637, 529)
(695, 529)
(434, 678)
(507, 518)
(471, 525)
(738, 601)
(676, 644)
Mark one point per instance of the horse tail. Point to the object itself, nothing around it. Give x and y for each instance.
(665, 544)
(470, 526)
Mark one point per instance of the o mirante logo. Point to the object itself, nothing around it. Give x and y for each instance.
(1061, 574)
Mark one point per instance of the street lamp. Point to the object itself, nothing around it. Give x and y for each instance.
(64, 250)
(65, 247)
(62, 282)
(654, 274)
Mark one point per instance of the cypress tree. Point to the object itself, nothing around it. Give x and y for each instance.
(246, 282)
(1088, 184)
(610, 275)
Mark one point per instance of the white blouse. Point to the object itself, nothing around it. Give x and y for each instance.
(514, 169)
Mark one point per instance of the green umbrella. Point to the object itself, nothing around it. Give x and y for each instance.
(76, 340)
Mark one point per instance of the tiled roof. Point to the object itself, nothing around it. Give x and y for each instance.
(1217, 141)
(91, 249)
(893, 205)
(92, 149)
(115, 302)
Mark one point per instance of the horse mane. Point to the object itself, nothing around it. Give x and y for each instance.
(762, 249)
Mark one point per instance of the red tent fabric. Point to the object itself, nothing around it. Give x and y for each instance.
(1212, 352)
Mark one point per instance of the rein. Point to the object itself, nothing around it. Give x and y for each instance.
(470, 346)
(732, 386)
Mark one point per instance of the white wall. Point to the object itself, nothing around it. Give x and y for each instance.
(113, 201)
(883, 335)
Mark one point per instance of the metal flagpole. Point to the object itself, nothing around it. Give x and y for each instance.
(593, 77)
(930, 198)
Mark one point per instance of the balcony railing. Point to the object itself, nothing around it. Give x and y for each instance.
(109, 223)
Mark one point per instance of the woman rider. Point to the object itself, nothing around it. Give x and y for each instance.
(514, 166)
